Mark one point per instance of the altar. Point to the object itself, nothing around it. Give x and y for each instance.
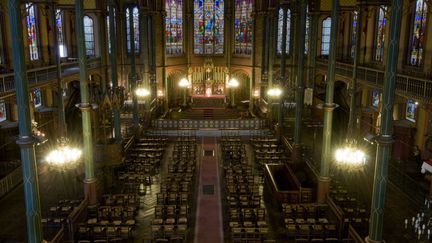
(208, 85)
(208, 101)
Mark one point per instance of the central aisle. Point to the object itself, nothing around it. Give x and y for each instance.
(209, 225)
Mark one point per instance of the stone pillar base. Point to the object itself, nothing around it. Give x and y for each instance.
(323, 189)
(368, 240)
(90, 191)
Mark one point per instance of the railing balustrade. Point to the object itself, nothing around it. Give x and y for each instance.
(42, 75)
(416, 87)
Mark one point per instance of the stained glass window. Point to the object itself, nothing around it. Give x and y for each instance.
(32, 31)
(37, 98)
(108, 27)
(60, 33)
(288, 31)
(135, 16)
(89, 39)
(306, 50)
(353, 32)
(380, 33)
(174, 27)
(375, 98)
(411, 108)
(243, 25)
(418, 33)
(208, 26)
(325, 36)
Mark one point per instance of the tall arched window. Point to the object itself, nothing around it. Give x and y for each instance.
(325, 36)
(306, 50)
(418, 33)
(288, 32)
(32, 32)
(174, 27)
(243, 27)
(380, 33)
(89, 38)
(60, 33)
(135, 16)
(353, 32)
(208, 26)
(108, 27)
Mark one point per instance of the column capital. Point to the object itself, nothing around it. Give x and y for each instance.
(384, 140)
(25, 141)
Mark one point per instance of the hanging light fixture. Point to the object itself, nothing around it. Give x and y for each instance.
(64, 155)
(350, 157)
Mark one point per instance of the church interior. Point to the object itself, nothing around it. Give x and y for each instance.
(213, 121)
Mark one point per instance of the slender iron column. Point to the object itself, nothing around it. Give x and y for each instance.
(266, 40)
(313, 40)
(114, 77)
(145, 50)
(384, 141)
(300, 71)
(272, 44)
(324, 179)
(25, 139)
(164, 77)
(61, 112)
(85, 107)
(353, 88)
(252, 79)
(103, 47)
(133, 68)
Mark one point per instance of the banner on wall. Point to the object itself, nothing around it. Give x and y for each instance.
(308, 96)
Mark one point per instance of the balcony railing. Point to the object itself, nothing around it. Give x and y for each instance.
(39, 76)
(414, 87)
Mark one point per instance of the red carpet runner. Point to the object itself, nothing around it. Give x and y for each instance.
(209, 225)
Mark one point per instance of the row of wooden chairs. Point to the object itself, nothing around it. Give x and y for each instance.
(246, 216)
(171, 220)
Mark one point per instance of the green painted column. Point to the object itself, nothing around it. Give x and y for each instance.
(60, 110)
(300, 71)
(25, 139)
(135, 114)
(253, 76)
(272, 13)
(313, 41)
(353, 87)
(144, 27)
(114, 77)
(384, 140)
(85, 107)
(328, 106)
(164, 77)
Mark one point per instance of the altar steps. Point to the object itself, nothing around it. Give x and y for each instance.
(209, 114)
(207, 132)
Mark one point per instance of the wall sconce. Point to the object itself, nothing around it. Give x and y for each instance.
(160, 93)
(256, 94)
